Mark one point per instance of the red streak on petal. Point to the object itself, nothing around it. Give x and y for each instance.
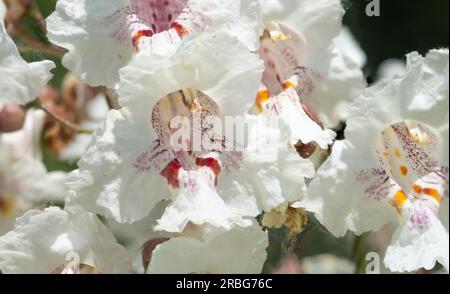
(181, 31)
(170, 172)
(212, 163)
(138, 35)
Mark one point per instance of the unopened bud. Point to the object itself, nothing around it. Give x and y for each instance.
(12, 118)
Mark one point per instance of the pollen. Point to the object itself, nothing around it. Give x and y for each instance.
(404, 170)
(398, 201)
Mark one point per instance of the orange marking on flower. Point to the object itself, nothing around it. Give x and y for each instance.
(385, 154)
(404, 170)
(433, 193)
(398, 201)
(417, 188)
(397, 153)
(262, 97)
(180, 29)
(288, 84)
(138, 36)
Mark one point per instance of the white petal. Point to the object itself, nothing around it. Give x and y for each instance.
(196, 201)
(239, 251)
(271, 172)
(329, 76)
(390, 69)
(349, 46)
(20, 82)
(115, 178)
(317, 22)
(23, 175)
(412, 249)
(302, 128)
(41, 241)
(96, 112)
(214, 63)
(85, 26)
(27, 140)
(337, 198)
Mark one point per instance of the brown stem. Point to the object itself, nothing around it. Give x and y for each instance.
(62, 120)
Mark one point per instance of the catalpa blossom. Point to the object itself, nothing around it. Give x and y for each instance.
(24, 180)
(20, 82)
(305, 62)
(135, 141)
(123, 27)
(209, 185)
(57, 241)
(393, 166)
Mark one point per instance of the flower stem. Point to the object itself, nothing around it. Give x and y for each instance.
(62, 120)
(357, 254)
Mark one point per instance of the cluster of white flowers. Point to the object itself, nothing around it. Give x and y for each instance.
(288, 75)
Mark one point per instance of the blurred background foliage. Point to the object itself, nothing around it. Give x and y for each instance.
(404, 26)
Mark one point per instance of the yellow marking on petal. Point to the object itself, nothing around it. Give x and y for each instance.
(433, 193)
(385, 154)
(398, 201)
(397, 153)
(404, 170)
(417, 188)
(288, 84)
(262, 97)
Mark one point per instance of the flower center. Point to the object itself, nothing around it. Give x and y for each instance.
(178, 120)
(280, 52)
(407, 152)
(159, 15)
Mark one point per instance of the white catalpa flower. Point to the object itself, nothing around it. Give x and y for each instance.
(301, 56)
(20, 82)
(61, 241)
(131, 164)
(393, 166)
(237, 251)
(24, 180)
(103, 35)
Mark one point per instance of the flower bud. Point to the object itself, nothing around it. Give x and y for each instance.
(12, 118)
